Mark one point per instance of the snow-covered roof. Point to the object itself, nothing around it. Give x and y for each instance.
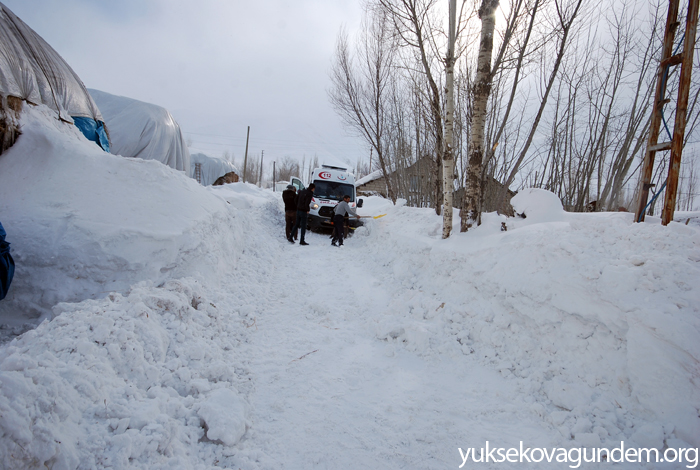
(32, 70)
(212, 168)
(143, 130)
(375, 175)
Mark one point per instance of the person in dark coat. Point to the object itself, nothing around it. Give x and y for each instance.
(303, 207)
(289, 196)
(340, 211)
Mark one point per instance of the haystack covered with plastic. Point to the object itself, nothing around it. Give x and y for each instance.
(32, 71)
(143, 130)
(207, 169)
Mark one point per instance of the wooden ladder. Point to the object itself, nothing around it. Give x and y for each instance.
(668, 59)
(198, 172)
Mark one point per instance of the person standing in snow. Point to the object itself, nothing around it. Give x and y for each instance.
(289, 196)
(340, 211)
(303, 202)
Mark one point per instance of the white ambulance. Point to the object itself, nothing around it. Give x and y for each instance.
(332, 183)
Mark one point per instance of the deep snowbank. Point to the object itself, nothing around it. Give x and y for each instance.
(150, 379)
(83, 223)
(128, 381)
(596, 317)
(146, 376)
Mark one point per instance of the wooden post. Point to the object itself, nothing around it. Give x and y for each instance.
(655, 125)
(274, 179)
(262, 158)
(681, 111)
(245, 159)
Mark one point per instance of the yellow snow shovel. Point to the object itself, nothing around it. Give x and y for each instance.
(367, 217)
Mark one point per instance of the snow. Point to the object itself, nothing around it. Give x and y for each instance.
(691, 218)
(371, 177)
(223, 414)
(181, 330)
(538, 205)
(88, 223)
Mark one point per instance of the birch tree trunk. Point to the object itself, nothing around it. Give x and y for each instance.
(471, 210)
(448, 160)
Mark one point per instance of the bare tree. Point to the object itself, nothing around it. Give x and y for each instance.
(253, 169)
(567, 100)
(286, 168)
(689, 184)
(566, 14)
(632, 134)
(599, 113)
(228, 156)
(362, 169)
(415, 28)
(313, 164)
(359, 94)
(521, 50)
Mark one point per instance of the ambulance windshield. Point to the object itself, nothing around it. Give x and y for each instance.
(334, 191)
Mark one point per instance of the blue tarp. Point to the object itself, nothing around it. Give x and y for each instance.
(7, 264)
(93, 130)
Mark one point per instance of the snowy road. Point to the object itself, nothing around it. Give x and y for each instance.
(329, 393)
(189, 334)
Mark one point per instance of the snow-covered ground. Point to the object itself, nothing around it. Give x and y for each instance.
(184, 332)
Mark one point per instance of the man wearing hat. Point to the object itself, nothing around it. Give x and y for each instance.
(289, 196)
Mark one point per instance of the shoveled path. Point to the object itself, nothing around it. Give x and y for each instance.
(329, 393)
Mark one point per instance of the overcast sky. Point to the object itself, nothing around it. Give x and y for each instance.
(217, 65)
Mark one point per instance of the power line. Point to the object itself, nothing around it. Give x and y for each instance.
(272, 141)
(277, 148)
(280, 147)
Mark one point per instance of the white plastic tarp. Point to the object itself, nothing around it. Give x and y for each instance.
(212, 168)
(143, 130)
(32, 70)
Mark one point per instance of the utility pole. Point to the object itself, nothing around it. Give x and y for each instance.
(245, 159)
(262, 159)
(274, 177)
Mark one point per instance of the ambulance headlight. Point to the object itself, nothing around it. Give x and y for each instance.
(314, 206)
